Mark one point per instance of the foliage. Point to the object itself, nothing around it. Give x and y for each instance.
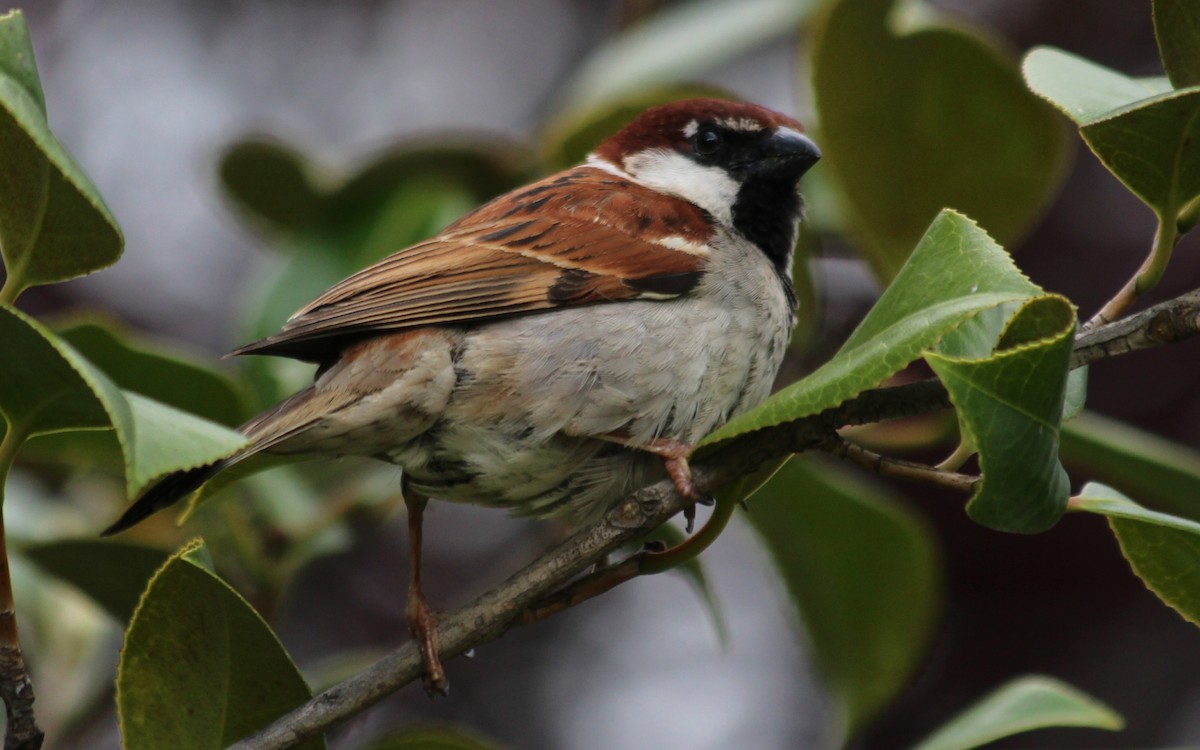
(970, 153)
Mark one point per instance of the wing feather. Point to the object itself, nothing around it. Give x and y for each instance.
(582, 237)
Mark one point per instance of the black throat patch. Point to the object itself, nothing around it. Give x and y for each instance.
(766, 212)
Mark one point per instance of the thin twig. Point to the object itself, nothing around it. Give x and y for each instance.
(523, 595)
(1165, 323)
(887, 466)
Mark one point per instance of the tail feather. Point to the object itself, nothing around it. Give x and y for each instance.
(168, 491)
(264, 431)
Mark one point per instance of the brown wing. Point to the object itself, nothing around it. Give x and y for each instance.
(582, 237)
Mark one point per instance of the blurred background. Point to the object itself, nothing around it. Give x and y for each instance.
(149, 96)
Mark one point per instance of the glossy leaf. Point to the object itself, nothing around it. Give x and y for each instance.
(1177, 28)
(864, 574)
(112, 574)
(1163, 474)
(1022, 705)
(680, 44)
(1139, 129)
(200, 669)
(935, 115)
(955, 273)
(1162, 549)
(47, 387)
(1009, 408)
(53, 223)
(1081, 89)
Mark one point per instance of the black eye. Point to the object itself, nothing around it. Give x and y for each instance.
(707, 141)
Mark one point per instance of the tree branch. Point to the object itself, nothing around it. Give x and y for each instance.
(530, 594)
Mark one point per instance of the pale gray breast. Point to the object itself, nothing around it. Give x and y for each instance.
(532, 391)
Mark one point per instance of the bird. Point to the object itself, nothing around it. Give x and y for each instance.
(561, 345)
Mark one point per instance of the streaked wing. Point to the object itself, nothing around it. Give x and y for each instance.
(582, 237)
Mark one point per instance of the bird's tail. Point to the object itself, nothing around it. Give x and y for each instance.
(265, 431)
(168, 491)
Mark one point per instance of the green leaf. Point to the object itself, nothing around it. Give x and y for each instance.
(1010, 408)
(274, 185)
(113, 574)
(53, 224)
(680, 44)
(433, 738)
(1177, 28)
(200, 669)
(1163, 474)
(1081, 89)
(865, 576)
(1022, 705)
(955, 273)
(1140, 129)
(170, 378)
(1150, 148)
(46, 386)
(1162, 549)
(936, 115)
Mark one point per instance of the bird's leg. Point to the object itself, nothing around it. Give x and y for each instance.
(674, 455)
(421, 622)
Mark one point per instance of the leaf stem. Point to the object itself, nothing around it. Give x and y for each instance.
(1147, 277)
(887, 466)
(16, 689)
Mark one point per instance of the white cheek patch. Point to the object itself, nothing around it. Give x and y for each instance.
(710, 188)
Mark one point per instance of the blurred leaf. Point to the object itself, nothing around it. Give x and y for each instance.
(157, 374)
(1022, 705)
(570, 136)
(694, 572)
(1177, 28)
(1164, 474)
(680, 43)
(53, 223)
(46, 386)
(1142, 135)
(274, 184)
(956, 272)
(113, 574)
(1163, 550)
(936, 115)
(865, 575)
(1081, 89)
(433, 738)
(1009, 408)
(200, 669)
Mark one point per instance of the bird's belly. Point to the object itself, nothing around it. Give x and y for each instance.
(545, 406)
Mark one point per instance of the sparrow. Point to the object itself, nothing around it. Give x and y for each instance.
(565, 343)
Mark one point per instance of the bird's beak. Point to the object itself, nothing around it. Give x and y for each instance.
(790, 151)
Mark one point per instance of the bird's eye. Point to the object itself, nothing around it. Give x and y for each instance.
(707, 141)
